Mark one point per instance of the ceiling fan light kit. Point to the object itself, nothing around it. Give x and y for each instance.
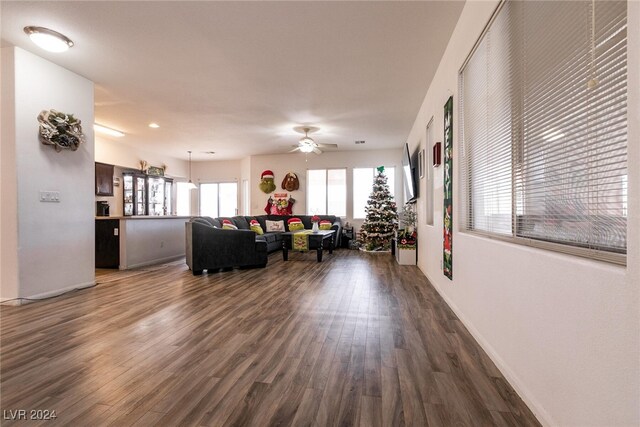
(306, 148)
(307, 145)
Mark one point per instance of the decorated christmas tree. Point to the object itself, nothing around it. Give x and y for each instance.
(382, 218)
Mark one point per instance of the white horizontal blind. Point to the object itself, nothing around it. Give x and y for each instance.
(487, 108)
(545, 126)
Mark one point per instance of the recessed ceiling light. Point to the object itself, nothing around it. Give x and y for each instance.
(154, 125)
(48, 39)
(107, 131)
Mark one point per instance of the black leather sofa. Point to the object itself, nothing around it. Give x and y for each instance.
(210, 247)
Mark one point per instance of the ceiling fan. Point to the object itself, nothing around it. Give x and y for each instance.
(306, 144)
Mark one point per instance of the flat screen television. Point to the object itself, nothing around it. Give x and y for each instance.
(410, 191)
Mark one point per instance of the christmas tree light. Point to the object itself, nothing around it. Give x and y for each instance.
(381, 219)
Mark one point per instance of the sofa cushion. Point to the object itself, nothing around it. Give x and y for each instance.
(295, 224)
(283, 218)
(274, 226)
(241, 222)
(259, 218)
(271, 237)
(228, 225)
(325, 225)
(208, 221)
(256, 227)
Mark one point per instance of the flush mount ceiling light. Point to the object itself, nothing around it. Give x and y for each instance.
(154, 125)
(47, 39)
(107, 131)
(190, 185)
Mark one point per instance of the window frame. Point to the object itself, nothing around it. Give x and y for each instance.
(218, 198)
(326, 185)
(179, 185)
(373, 176)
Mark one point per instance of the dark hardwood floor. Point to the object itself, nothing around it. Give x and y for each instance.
(354, 340)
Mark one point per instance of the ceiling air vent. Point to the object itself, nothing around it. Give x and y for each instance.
(359, 142)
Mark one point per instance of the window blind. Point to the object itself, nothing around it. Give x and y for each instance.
(544, 127)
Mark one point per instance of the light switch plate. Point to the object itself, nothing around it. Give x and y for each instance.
(50, 196)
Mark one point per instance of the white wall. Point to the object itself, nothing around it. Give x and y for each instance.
(280, 164)
(55, 250)
(216, 171)
(564, 330)
(150, 241)
(118, 153)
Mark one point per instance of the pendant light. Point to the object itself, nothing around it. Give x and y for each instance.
(191, 185)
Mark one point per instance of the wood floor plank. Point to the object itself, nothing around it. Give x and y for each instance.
(392, 412)
(370, 411)
(353, 340)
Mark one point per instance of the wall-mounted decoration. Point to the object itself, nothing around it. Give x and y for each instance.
(290, 182)
(421, 163)
(156, 171)
(143, 166)
(266, 182)
(280, 206)
(60, 130)
(437, 154)
(447, 264)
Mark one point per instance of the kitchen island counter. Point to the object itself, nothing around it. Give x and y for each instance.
(142, 240)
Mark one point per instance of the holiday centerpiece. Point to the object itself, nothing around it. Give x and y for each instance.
(314, 223)
(60, 130)
(381, 220)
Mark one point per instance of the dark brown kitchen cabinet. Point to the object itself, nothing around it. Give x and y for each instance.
(104, 179)
(107, 243)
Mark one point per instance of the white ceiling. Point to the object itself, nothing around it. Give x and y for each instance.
(236, 77)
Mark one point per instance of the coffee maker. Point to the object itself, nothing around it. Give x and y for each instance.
(102, 208)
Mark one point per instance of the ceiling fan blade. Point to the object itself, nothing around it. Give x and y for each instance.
(327, 145)
(295, 149)
(315, 150)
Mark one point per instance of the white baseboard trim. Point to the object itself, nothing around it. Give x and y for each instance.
(153, 261)
(538, 410)
(46, 295)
